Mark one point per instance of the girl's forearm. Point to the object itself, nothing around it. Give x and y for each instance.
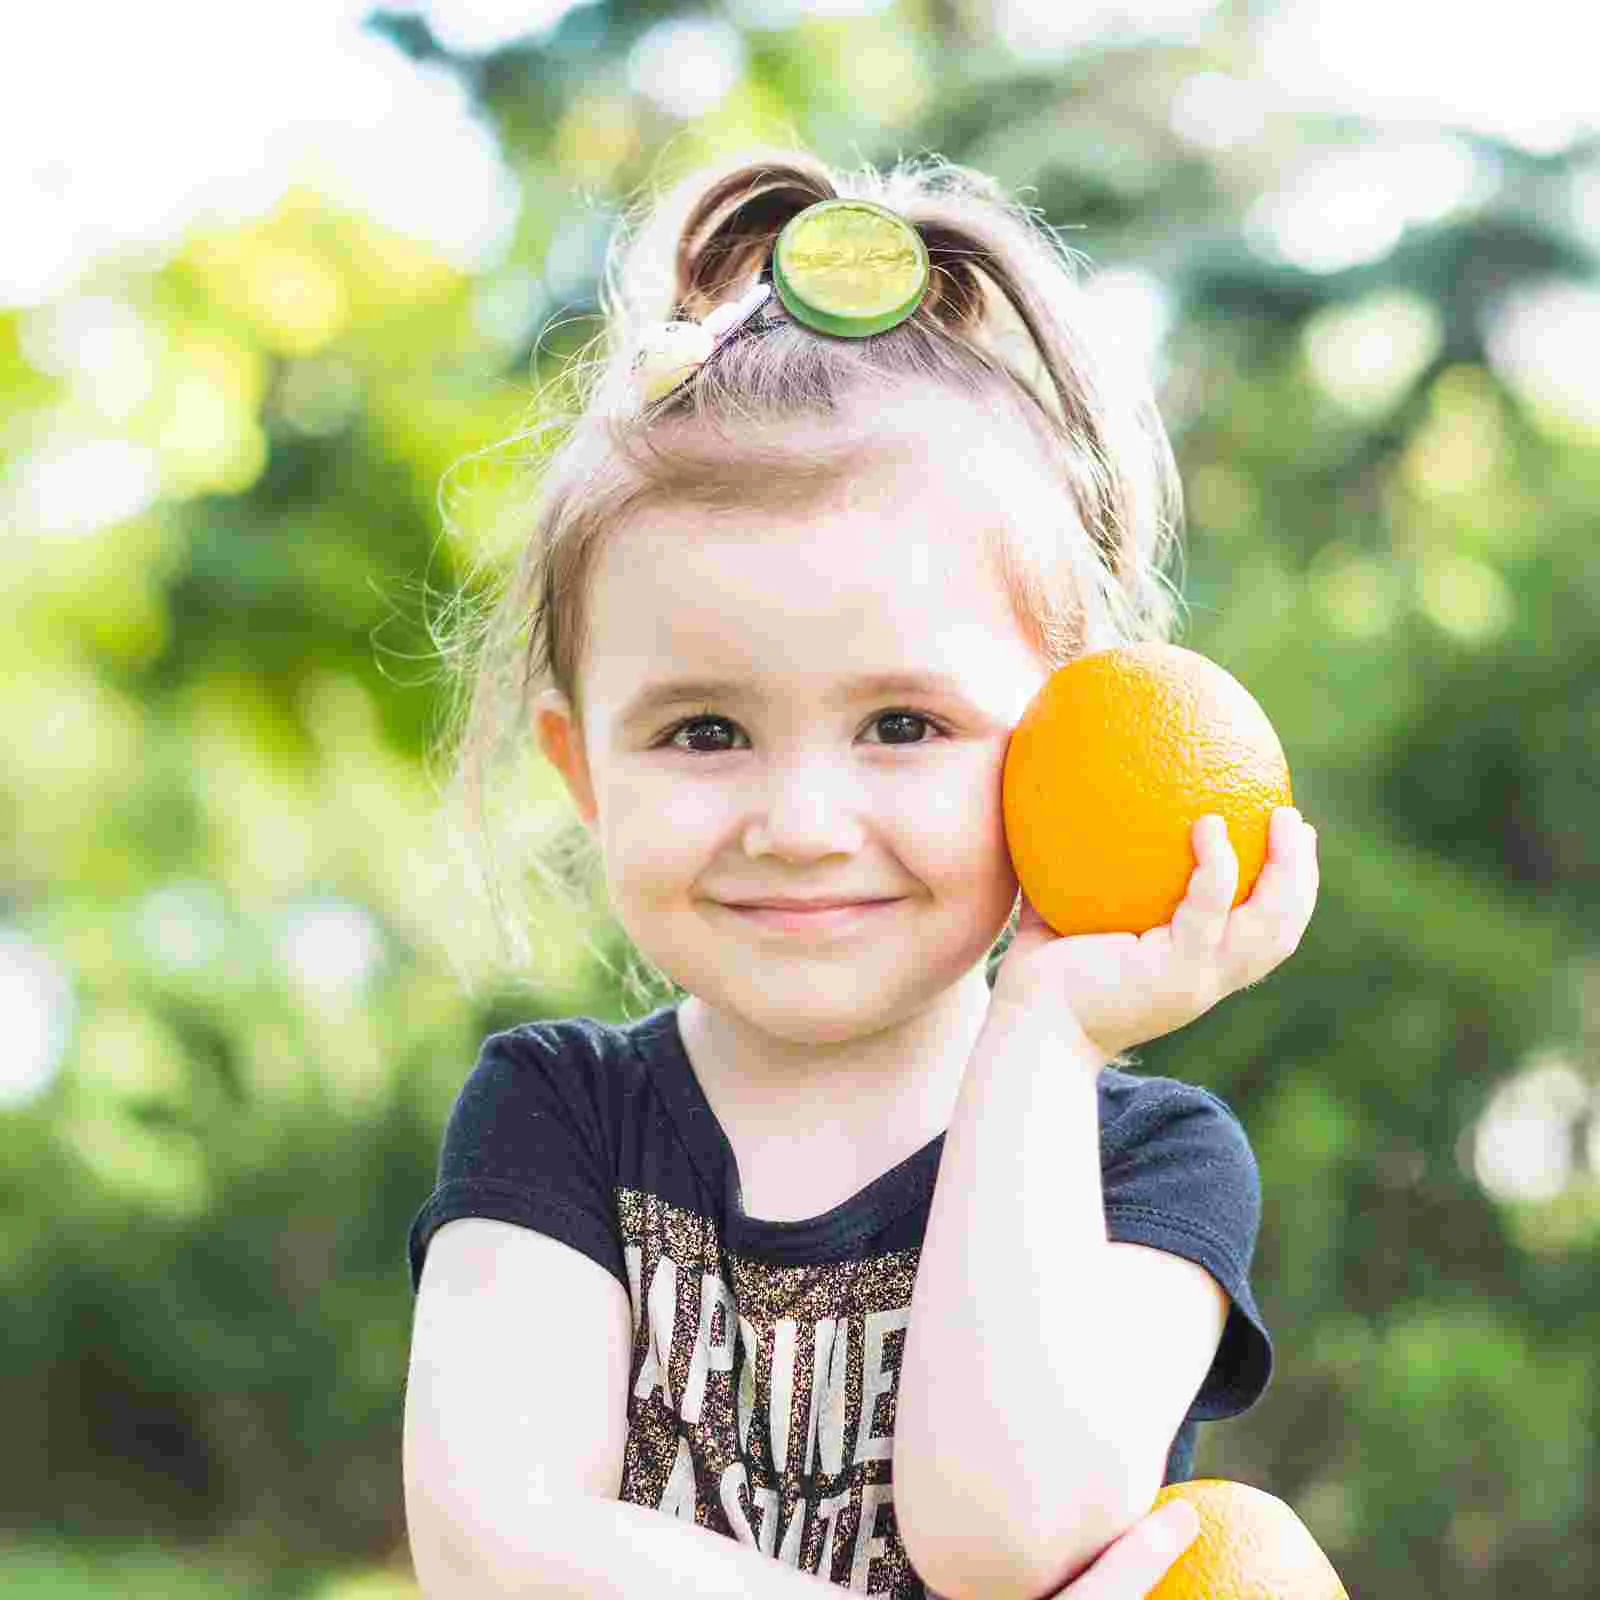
(594, 1549)
(1006, 1407)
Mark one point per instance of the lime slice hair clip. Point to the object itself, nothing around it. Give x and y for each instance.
(849, 268)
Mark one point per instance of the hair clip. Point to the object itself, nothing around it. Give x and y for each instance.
(844, 267)
(670, 353)
(849, 267)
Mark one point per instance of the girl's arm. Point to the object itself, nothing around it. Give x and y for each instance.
(593, 1549)
(1043, 1366)
(514, 1433)
(515, 1426)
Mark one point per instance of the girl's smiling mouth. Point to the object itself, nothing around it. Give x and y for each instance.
(801, 916)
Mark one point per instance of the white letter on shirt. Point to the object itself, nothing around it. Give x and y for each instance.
(875, 1382)
(735, 1478)
(780, 1389)
(663, 1312)
(869, 1542)
(829, 1367)
(793, 1534)
(709, 1355)
(677, 1499)
(766, 1502)
(747, 1381)
(830, 1508)
(633, 1258)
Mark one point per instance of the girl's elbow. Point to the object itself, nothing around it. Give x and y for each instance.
(442, 1560)
(959, 1561)
(975, 1571)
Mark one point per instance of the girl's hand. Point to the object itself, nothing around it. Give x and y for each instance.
(1131, 1566)
(1123, 989)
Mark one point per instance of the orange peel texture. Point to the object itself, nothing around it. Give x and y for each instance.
(1251, 1546)
(1114, 760)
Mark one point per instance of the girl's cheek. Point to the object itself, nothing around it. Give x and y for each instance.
(687, 806)
(959, 811)
(657, 820)
(944, 802)
(942, 826)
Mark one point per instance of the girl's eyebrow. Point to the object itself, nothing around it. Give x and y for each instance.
(679, 691)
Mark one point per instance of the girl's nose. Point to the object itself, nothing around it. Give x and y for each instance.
(811, 809)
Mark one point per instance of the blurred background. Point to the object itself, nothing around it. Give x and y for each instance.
(274, 280)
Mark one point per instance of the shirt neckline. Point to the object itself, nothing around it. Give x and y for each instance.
(855, 1219)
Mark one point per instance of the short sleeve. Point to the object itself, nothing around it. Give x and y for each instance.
(526, 1143)
(1180, 1176)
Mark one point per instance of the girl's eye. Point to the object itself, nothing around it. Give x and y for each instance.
(688, 727)
(904, 719)
(899, 721)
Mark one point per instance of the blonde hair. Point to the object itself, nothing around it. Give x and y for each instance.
(776, 421)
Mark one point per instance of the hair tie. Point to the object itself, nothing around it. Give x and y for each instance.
(849, 268)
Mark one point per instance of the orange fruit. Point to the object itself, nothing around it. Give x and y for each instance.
(1251, 1546)
(1114, 760)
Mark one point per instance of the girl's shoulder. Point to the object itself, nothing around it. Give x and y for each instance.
(538, 1136)
(573, 1043)
(570, 1070)
(597, 1076)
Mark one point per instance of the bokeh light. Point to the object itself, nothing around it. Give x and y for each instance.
(36, 1017)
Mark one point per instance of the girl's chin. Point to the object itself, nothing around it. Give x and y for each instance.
(809, 1013)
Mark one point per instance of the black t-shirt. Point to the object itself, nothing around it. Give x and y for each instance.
(765, 1354)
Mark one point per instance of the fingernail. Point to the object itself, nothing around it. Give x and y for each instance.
(1180, 1526)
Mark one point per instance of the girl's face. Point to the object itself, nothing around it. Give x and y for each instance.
(743, 740)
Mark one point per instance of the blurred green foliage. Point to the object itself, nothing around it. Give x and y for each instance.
(218, 713)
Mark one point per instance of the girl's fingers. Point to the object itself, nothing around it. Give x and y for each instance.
(1202, 915)
(1137, 1562)
(1028, 918)
(1280, 902)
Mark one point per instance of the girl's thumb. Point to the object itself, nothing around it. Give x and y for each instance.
(1134, 1564)
(1032, 929)
(1174, 1527)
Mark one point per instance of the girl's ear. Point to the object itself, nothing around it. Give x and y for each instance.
(561, 740)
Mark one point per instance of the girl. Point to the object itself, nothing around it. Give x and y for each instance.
(866, 1260)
